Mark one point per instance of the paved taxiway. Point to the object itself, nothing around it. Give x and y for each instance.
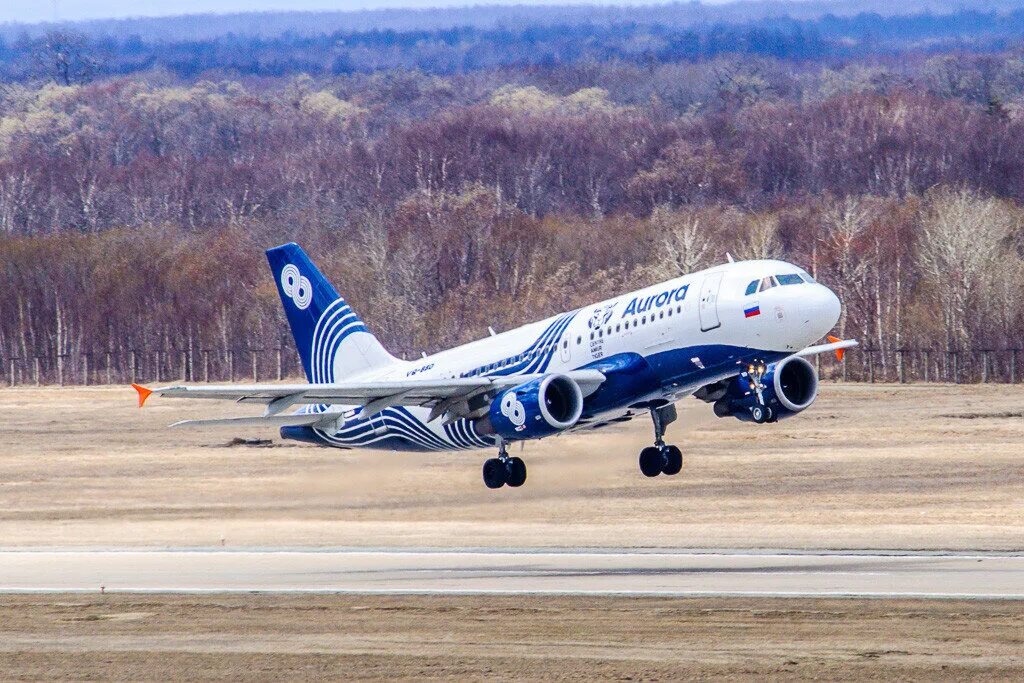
(569, 571)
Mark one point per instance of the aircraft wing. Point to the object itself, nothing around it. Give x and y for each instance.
(442, 395)
(835, 344)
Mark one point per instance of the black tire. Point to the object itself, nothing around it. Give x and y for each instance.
(515, 472)
(673, 460)
(494, 473)
(759, 414)
(652, 461)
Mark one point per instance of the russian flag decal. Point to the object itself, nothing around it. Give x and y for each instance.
(752, 311)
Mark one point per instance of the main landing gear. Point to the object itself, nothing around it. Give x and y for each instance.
(504, 470)
(661, 458)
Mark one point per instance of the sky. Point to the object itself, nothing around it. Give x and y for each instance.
(31, 11)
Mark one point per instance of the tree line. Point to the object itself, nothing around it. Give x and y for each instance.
(940, 270)
(134, 209)
(564, 37)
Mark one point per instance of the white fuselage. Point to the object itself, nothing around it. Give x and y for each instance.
(691, 331)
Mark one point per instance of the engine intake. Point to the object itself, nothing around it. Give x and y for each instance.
(534, 409)
(790, 386)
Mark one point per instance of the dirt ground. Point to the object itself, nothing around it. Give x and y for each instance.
(232, 637)
(922, 466)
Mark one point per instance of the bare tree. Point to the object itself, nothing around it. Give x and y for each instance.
(963, 236)
(66, 58)
(685, 240)
(762, 238)
(845, 224)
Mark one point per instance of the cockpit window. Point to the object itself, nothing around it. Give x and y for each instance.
(807, 277)
(766, 283)
(752, 287)
(789, 279)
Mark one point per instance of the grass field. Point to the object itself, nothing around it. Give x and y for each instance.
(923, 466)
(231, 637)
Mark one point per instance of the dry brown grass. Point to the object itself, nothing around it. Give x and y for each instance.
(264, 637)
(866, 467)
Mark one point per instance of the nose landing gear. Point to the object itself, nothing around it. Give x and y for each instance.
(760, 412)
(504, 470)
(661, 458)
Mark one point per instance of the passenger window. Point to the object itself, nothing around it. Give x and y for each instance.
(751, 288)
(789, 279)
(579, 340)
(661, 316)
(617, 328)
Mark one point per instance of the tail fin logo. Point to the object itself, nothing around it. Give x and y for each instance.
(296, 286)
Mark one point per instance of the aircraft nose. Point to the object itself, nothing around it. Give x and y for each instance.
(821, 309)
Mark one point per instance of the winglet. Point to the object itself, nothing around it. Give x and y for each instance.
(839, 352)
(143, 393)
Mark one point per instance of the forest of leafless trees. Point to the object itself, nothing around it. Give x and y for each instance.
(134, 208)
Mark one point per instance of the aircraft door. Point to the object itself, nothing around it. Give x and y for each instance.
(709, 302)
(566, 350)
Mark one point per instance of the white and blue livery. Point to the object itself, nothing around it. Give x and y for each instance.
(735, 335)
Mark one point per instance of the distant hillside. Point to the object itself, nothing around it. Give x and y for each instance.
(275, 45)
(483, 16)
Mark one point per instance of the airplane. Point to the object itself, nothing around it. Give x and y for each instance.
(736, 336)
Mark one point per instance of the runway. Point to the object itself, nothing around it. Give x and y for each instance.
(522, 571)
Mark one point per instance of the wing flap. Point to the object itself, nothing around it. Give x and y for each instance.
(373, 394)
(300, 420)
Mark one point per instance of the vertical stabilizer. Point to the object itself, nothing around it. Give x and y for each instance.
(332, 340)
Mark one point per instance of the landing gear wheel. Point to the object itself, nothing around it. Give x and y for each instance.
(673, 460)
(761, 414)
(652, 461)
(495, 473)
(515, 472)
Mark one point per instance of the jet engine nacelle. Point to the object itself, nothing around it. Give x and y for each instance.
(790, 386)
(535, 409)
